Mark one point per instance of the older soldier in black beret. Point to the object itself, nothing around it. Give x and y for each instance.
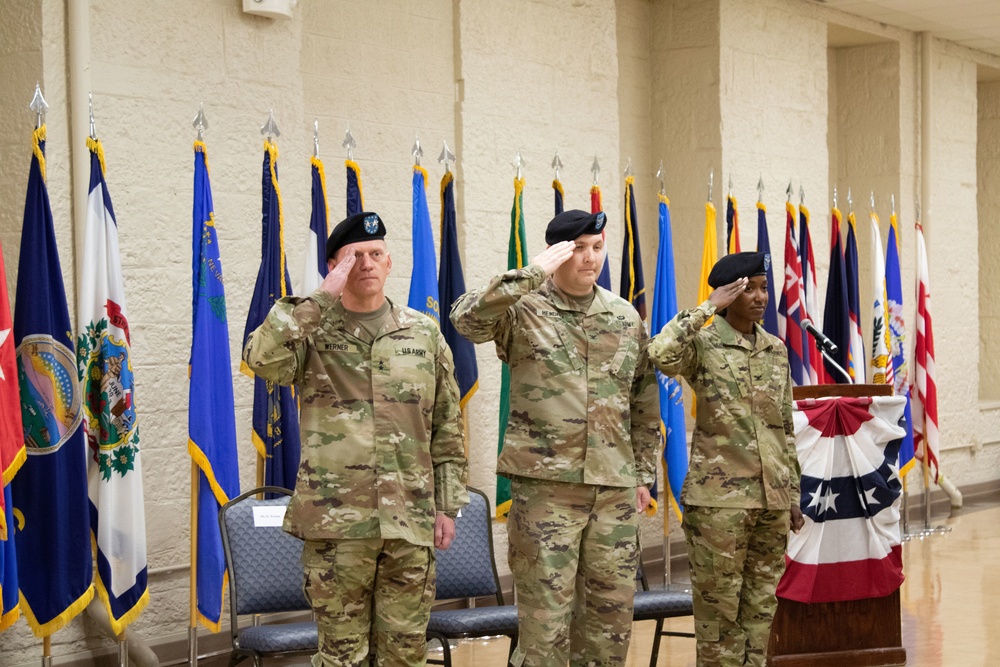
(383, 471)
(580, 444)
(741, 493)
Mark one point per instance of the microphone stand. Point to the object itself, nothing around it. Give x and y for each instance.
(822, 351)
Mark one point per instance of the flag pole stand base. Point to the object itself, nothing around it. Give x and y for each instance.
(193, 646)
(123, 652)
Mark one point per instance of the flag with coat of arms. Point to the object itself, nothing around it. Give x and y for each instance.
(54, 559)
(104, 360)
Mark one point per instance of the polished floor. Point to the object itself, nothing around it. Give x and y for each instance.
(948, 603)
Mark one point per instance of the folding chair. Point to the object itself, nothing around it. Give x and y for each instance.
(468, 570)
(265, 576)
(659, 604)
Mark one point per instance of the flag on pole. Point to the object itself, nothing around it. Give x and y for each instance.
(836, 313)
(810, 299)
(764, 245)
(517, 257)
(790, 308)
(451, 285)
(275, 412)
(104, 360)
(856, 354)
(12, 456)
(12, 451)
(55, 563)
(897, 339)
(355, 198)
(423, 278)
(709, 254)
(211, 415)
(881, 345)
(672, 430)
(558, 195)
(925, 412)
(732, 226)
(10, 610)
(596, 206)
(319, 230)
(633, 284)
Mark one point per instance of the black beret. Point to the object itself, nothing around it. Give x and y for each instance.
(356, 228)
(738, 265)
(568, 225)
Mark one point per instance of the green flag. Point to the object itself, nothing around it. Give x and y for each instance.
(516, 259)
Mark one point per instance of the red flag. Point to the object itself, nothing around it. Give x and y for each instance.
(924, 391)
(790, 308)
(12, 452)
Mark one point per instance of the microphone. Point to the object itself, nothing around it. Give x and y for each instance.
(821, 338)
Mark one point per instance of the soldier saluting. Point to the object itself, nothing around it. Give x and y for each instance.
(580, 445)
(383, 468)
(741, 493)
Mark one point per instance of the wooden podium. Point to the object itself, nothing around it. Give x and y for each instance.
(855, 633)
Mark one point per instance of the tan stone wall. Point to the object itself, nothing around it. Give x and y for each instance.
(988, 208)
(746, 87)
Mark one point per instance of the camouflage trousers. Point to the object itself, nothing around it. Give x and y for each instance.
(573, 553)
(369, 591)
(737, 557)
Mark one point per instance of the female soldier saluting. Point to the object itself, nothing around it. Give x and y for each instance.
(741, 493)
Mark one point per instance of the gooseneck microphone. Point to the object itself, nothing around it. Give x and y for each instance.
(821, 338)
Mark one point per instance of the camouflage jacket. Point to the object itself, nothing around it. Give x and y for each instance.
(576, 415)
(743, 448)
(382, 445)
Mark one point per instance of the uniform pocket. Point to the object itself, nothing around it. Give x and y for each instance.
(546, 347)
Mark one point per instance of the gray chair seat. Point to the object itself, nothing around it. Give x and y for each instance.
(280, 638)
(476, 622)
(651, 605)
(468, 570)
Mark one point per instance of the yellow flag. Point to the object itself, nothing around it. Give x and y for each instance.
(709, 255)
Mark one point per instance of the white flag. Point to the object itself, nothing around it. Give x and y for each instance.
(105, 363)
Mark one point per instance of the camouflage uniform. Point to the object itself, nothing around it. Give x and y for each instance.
(742, 480)
(382, 451)
(582, 435)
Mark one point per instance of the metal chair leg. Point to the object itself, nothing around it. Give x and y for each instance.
(656, 643)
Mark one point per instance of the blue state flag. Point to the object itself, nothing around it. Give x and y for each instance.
(275, 411)
(55, 564)
(423, 278)
(836, 314)
(672, 431)
(211, 415)
(897, 340)
(319, 230)
(355, 198)
(558, 195)
(451, 285)
(764, 245)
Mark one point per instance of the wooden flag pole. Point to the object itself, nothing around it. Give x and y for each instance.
(122, 650)
(193, 626)
(47, 651)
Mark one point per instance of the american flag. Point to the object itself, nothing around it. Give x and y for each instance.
(925, 417)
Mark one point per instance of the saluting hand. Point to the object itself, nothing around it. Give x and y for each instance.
(554, 256)
(725, 295)
(336, 278)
